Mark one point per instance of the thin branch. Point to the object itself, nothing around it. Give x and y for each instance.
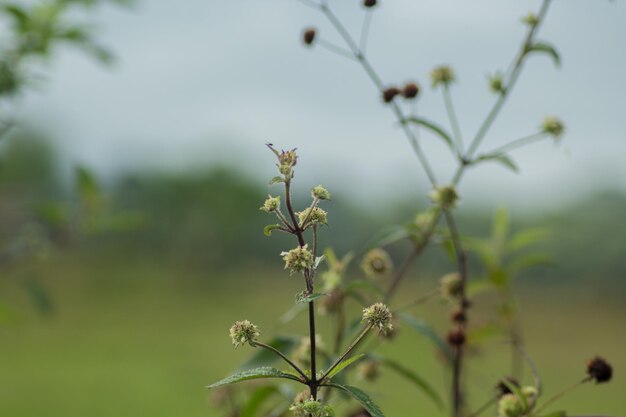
(561, 394)
(518, 143)
(331, 47)
(454, 121)
(365, 29)
(282, 355)
(350, 348)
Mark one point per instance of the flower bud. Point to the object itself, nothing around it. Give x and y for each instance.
(451, 285)
(510, 406)
(442, 75)
(390, 93)
(445, 197)
(553, 126)
(496, 84)
(376, 263)
(379, 317)
(410, 91)
(456, 337)
(320, 193)
(271, 204)
(599, 370)
(308, 36)
(286, 161)
(370, 3)
(311, 216)
(299, 259)
(530, 19)
(243, 332)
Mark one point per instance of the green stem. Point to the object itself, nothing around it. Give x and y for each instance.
(454, 121)
(526, 140)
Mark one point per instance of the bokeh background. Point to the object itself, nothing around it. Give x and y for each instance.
(129, 194)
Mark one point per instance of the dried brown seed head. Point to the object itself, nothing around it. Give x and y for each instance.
(599, 370)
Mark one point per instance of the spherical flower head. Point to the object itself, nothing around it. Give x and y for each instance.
(496, 83)
(390, 93)
(370, 3)
(299, 259)
(510, 406)
(376, 263)
(320, 193)
(368, 370)
(451, 285)
(599, 370)
(379, 317)
(530, 19)
(410, 91)
(442, 75)
(271, 205)
(312, 216)
(243, 332)
(308, 36)
(553, 127)
(312, 408)
(445, 197)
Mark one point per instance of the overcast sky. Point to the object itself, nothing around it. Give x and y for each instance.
(205, 82)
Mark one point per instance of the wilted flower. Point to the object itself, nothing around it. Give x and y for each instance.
(442, 75)
(456, 337)
(379, 317)
(445, 197)
(410, 90)
(299, 259)
(376, 263)
(390, 93)
(271, 204)
(451, 285)
(312, 215)
(308, 36)
(243, 332)
(553, 126)
(599, 370)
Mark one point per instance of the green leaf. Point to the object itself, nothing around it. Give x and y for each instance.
(387, 236)
(257, 399)
(361, 397)
(424, 329)
(438, 130)
(264, 357)
(303, 297)
(415, 378)
(256, 373)
(268, 229)
(345, 364)
(545, 48)
(525, 238)
(501, 158)
(527, 261)
(88, 188)
(276, 180)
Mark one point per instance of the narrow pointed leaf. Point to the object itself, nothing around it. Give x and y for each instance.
(546, 48)
(303, 297)
(415, 378)
(256, 373)
(362, 398)
(433, 127)
(345, 364)
(500, 158)
(268, 229)
(424, 329)
(276, 180)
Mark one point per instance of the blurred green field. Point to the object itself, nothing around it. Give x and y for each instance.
(142, 339)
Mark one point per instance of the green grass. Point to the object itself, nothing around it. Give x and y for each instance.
(143, 339)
